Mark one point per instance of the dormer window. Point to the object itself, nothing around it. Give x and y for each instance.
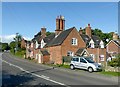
(27, 45)
(74, 41)
(101, 44)
(92, 45)
(37, 44)
(42, 43)
(31, 45)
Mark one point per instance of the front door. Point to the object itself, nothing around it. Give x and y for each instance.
(39, 58)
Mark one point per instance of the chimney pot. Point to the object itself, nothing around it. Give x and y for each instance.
(88, 25)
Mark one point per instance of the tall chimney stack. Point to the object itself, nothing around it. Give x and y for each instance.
(80, 31)
(115, 36)
(60, 24)
(88, 31)
(43, 32)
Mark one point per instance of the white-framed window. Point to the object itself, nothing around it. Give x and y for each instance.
(37, 44)
(91, 43)
(74, 41)
(31, 44)
(93, 56)
(70, 53)
(101, 57)
(42, 43)
(31, 54)
(27, 45)
(101, 44)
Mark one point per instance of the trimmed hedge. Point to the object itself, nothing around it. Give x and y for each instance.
(66, 59)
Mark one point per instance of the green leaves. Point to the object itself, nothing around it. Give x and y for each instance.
(115, 62)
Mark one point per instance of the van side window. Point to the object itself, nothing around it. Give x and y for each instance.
(82, 60)
(75, 59)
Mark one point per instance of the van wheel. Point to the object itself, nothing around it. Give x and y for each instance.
(72, 67)
(90, 69)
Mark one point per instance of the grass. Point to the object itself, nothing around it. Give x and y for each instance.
(59, 65)
(110, 73)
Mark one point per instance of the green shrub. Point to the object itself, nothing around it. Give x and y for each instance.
(115, 62)
(66, 59)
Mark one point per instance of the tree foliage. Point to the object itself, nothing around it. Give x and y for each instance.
(18, 37)
(5, 46)
(48, 33)
(103, 36)
(12, 44)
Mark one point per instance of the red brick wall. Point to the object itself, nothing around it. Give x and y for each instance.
(112, 47)
(67, 46)
(46, 58)
(55, 54)
(97, 52)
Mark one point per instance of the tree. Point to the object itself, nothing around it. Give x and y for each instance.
(48, 33)
(17, 39)
(103, 36)
(12, 45)
(5, 46)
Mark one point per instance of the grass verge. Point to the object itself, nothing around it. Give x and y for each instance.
(110, 73)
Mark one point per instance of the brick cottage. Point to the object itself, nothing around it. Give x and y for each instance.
(65, 42)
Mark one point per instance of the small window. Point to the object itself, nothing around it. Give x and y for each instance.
(31, 45)
(70, 53)
(74, 41)
(82, 60)
(101, 57)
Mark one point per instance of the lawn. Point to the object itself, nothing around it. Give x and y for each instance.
(110, 73)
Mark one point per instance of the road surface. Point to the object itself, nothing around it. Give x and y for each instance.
(17, 72)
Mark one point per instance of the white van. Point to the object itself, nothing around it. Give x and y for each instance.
(85, 63)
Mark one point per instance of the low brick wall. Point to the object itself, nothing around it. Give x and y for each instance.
(112, 69)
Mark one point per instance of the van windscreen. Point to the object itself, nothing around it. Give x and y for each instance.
(89, 60)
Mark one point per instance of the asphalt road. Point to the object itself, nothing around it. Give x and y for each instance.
(17, 72)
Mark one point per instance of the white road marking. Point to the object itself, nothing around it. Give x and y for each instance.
(40, 76)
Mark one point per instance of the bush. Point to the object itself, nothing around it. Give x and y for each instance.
(115, 62)
(66, 59)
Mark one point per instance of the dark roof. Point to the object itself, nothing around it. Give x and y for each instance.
(80, 50)
(60, 38)
(86, 38)
(117, 42)
(45, 52)
(97, 40)
(37, 37)
(28, 42)
(38, 34)
(49, 38)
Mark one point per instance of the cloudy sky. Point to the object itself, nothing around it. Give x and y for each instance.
(27, 18)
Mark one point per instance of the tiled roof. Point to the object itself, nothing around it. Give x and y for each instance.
(60, 38)
(117, 42)
(49, 38)
(86, 38)
(97, 40)
(37, 37)
(80, 50)
(45, 52)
